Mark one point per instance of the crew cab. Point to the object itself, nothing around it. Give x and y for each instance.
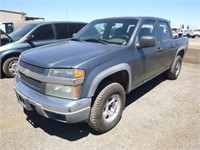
(33, 35)
(87, 78)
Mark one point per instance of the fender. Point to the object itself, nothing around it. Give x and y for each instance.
(180, 49)
(96, 81)
(9, 52)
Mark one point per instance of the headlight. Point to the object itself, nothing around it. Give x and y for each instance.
(68, 73)
(63, 91)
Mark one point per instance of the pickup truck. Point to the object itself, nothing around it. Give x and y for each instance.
(87, 78)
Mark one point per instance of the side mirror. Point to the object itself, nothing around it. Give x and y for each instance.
(146, 41)
(74, 35)
(29, 38)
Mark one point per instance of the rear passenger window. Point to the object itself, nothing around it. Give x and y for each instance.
(62, 30)
(73, 28)
(164, 31)
(44, 32)
(66, 30)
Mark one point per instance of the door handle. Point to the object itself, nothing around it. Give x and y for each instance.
(159, 50)
(172, 46)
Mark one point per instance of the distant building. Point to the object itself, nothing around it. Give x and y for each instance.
(6, 15)
(11, 20)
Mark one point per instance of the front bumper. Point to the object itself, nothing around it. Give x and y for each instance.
(69, 111)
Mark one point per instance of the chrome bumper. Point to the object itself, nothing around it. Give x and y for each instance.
(69, 111)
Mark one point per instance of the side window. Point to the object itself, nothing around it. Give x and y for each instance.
(80, 25)
(164, 31)
(73, 28)
(148, 29)
(66, 30)
(62, 30)
(44, 32)
(9, 28)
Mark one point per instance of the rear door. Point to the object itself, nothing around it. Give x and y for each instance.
(167, 47)
(66, 30)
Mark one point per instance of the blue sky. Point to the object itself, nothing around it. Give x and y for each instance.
(179, 12)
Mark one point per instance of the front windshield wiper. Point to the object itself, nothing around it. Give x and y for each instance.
(97, 41)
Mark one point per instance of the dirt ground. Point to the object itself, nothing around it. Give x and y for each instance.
(162, 114)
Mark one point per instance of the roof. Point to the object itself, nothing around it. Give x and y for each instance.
(48, 22)
(53, 22)
(14, 12)
(134, 17)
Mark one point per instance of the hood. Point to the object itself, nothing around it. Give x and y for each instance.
(68, 55)
(15, 46)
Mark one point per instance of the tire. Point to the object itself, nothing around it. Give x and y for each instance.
(107, 108)
(10, 67)
(174, 72)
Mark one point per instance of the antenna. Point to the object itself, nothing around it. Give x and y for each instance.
(66, 11)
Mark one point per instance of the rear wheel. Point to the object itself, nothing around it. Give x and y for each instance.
(10, 67)
(107, 108)
(174, 72)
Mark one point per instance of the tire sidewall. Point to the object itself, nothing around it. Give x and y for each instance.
(100, 101)
(6, 66)
(172, 73)
(178, 60)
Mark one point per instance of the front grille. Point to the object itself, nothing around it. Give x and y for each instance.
(32, 68)
(32, 83)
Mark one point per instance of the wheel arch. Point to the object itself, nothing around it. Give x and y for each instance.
(120, 73)
(181, 51)
(9, 54)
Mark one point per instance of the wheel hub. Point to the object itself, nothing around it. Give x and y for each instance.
(111, 108)
(178, 67)
(13, 67)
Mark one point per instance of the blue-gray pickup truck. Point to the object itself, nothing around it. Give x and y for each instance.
(88, 77)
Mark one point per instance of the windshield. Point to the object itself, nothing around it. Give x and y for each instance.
(21, 32)
(110, 31)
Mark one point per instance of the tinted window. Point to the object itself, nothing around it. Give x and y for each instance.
(44, 32)
(21, 32)
(148, 29)
(80, 25)
(66, 30)
(9, 27)
(73, 28)
(164, 31)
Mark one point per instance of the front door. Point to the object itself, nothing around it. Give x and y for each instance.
(146, 60)
(42, 35)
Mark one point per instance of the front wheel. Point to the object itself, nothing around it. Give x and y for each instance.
(107, 108)
(175, 70)
(10, 67)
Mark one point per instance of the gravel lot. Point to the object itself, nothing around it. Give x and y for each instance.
(162, 114)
